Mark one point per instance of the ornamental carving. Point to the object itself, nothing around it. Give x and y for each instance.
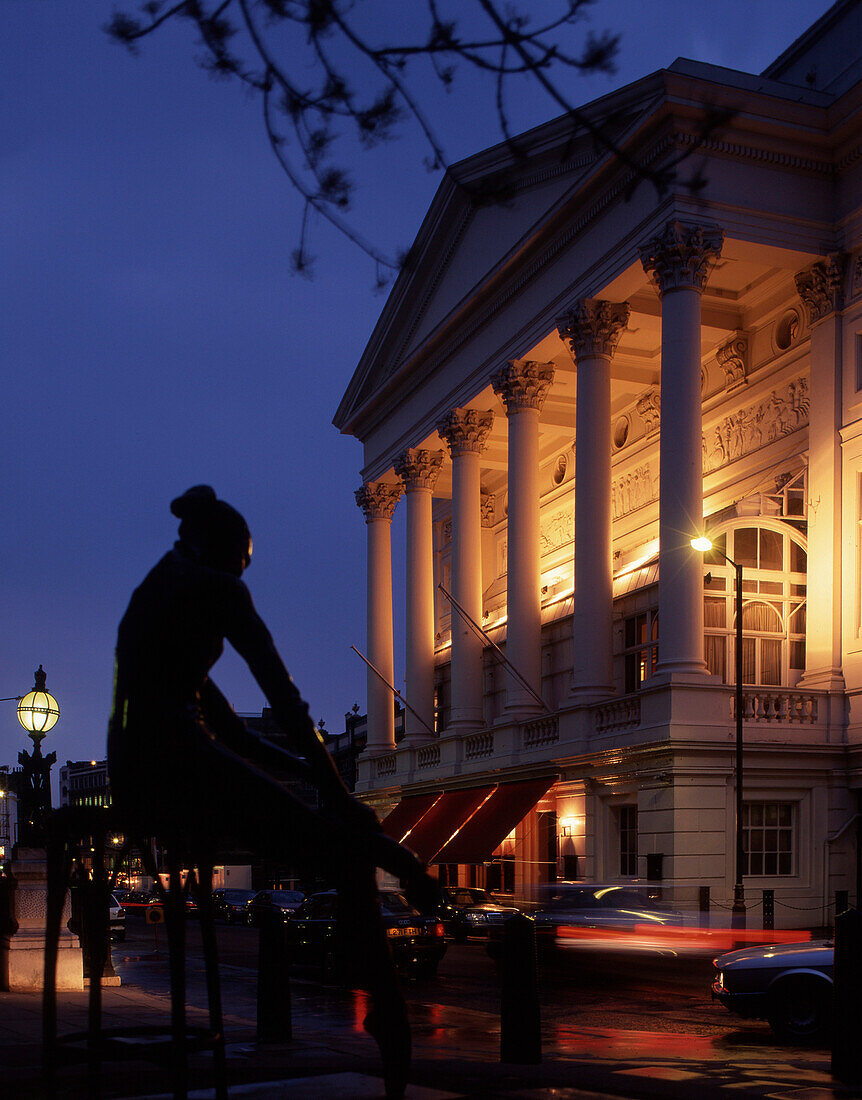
(682, 255)
(782, 412)
(377, 499)
(649, 410)
(466, 430)
(633, 490)
(523, 384)
(857, 276)
(419, 469)
(820, 285)
(556, 531)
(593, 327)
(488, 505)
(732, 357)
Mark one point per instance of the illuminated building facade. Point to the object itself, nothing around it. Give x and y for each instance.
(85, 783)
(577, 374)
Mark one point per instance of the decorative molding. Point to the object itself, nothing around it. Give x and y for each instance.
(419, 469)
(820, 286)
(683, 255)
(466, 430)
(649, 410)
(592, 327)
(633, 490)
(488, 505)
(856, 281)
(377, 499)
(732, 357)
(755, 426)
(523, 384)
(751, 153)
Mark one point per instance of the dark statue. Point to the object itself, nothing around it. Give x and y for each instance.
(182, 763)
(34, 795)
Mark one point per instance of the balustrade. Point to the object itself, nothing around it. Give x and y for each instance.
(428, 756)
(543, 731)
(617, 715)
(478, 746)
(775, 705)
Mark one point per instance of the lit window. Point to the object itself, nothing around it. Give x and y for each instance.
(640, 639)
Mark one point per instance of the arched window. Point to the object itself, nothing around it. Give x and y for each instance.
(774, 561)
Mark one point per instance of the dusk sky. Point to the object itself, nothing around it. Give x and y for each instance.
(153, 336)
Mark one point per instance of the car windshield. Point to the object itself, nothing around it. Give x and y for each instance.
(287, 897)
(237, 895)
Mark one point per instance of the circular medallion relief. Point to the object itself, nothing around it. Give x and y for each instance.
(560, 467)
(621, 431)
(787, 329)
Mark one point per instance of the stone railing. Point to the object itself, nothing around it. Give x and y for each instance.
(479, 746)
(385, 765)
(542, 731)
(621, 714)
(776, 705)
(428, 756)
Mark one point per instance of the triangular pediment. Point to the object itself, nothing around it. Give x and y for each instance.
(485, 214)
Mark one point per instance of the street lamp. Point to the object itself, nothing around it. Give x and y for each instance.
(703, 544)
(37, 712)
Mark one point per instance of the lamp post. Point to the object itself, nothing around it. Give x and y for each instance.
(38, 713)
(703, 544)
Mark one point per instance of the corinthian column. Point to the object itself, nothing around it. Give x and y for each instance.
(679, 262)
(419, 470)
(820, 288)
(592, 329)
(465, 432)
(523, 387)
(377, 499)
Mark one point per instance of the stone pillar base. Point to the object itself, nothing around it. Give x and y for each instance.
(22, 953)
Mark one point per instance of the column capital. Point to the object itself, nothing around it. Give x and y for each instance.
(466, 430)
(592, 327)
(682, 255)
(377, 499)
(523, 384)
(418, 469)
(820, 286)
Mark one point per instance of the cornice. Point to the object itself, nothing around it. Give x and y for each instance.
(738, 150)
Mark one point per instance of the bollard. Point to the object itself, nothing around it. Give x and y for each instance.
(768, 910)
(273, 985)
(847, 999)
(520, 1022)
(703, 905)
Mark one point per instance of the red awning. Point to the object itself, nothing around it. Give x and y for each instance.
(403, 818)
(445, 817)
(493, 821)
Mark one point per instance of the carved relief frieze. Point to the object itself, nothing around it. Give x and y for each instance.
(732, 357)
(754, 426)
(446, 532)
(557, 530)
(649, 410)
(820, 286)
(633, 490)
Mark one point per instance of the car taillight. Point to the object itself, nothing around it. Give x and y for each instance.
(438, 930)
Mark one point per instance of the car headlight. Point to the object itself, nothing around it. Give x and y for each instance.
(720, 979)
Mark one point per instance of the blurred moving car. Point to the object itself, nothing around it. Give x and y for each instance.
(116, 919)
(231, 905)
(788, 984)
(471, 911)
(135, 901)
(268, 901)
(418, 943)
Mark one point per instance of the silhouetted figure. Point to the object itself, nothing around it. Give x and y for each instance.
(182, 763)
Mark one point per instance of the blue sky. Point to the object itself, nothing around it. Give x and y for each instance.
(153, 337)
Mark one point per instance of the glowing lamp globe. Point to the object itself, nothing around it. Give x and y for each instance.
(702, 543)
(38, 711)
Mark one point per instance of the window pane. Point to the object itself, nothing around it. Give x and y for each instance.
(745, 546)
(798, 558)
(762, 617)
(631, 673)
(770, 662)
(715, 556)
(714, 612)
(771, 549)
(714, 653)
(772, 588)
(718, 584)
(748, 661)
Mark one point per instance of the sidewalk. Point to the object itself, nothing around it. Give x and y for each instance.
(456, 1052)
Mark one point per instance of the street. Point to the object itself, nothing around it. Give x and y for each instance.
(630, 1022)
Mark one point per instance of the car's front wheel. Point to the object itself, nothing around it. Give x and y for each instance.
(800, 1009)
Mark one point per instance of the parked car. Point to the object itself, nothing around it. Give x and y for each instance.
(788, 984)
(136, 900)
(231, 905)
(266, 901)
(470, 911)
(116, 919)
(418, 943)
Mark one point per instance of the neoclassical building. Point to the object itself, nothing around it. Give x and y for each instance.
(579, 373)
